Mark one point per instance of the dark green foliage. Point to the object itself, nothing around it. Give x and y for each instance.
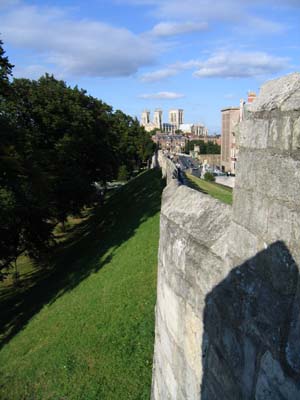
(55, 142)
(133, 144)
(123, 173)
(208, 176)
(205, 148)
(154, 131)
(5, 72)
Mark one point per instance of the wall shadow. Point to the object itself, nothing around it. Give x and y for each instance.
(247, 315)
(91, 246)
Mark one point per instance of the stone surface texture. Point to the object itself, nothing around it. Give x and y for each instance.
(228, 293)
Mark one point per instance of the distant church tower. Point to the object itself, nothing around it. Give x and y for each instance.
(145, 120)
(157, 119)
(176, 117)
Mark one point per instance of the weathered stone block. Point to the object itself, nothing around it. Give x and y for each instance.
(170, 381)
(280, 134)
(250, 307)
(246, 171)
(247, 244)
(296, 135)
(218, 382)
(166, 347)
(213, 214)
(272, 383)
(278, 177)
(276, 267)
(160, 382)
(171, 308)
(292, 348)
(192, 341)
(295, 238)
(248, 370)
(279, 222)
(274, 94)
(253, 134)
(251, 211)
(292, 103)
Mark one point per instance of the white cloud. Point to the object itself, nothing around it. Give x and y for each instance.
(225, 64)
(240, 65)
(236, 12)
(221, 9)
(159, 75)
(266, 26)
(255, 25)
(194, 9)
(170, 70)
(172, 28)
(77, 48)
(162, 95)
(33, 71)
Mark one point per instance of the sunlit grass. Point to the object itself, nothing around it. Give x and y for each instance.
(86, 330)
(215, 190)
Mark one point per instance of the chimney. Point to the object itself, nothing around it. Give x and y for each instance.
(251, 97)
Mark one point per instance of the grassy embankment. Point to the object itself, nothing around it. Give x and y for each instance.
(83, 328)
(215, 190)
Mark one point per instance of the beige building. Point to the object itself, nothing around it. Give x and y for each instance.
(155, 124)
(171, 142)
(230, 118)
(176, 117)
(175, 120)
(145, 120)
(199, 130)
(157, 119)
(194, 129)
(211, 159)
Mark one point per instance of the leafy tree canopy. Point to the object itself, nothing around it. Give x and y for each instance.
(205, 147)
(55, 142)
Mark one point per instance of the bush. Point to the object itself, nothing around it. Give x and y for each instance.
(123, 173)
(208, 176)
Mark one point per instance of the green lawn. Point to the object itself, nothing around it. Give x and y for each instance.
(83, 328)
(215, 190)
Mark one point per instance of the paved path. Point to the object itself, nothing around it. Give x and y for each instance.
(226, 180)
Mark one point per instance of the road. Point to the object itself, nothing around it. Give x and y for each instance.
(188, 164)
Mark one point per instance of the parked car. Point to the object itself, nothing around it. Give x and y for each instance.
(218, 173)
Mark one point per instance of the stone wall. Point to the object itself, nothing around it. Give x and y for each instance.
(228, 295)
(211, 159)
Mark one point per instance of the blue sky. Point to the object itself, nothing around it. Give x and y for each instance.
(199, 55)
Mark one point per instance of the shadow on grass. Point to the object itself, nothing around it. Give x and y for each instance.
(194, 186)
(89, 248)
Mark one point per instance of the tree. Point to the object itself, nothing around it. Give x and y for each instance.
(55, 142)
(8, 165)
(133, 145)
(205, 147)
(5, 71)
(213, 148)
(123, 173)
(208, 176)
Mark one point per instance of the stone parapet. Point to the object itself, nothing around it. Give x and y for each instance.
(228, 296)
(189, 265)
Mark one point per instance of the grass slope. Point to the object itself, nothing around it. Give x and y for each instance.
(92, 328)
(215, 190)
